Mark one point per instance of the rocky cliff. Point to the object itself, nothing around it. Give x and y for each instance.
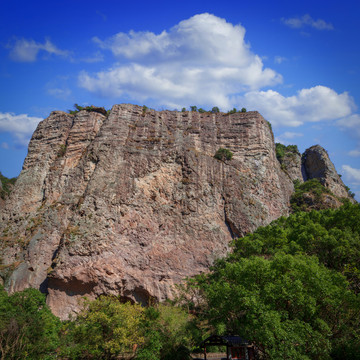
(132, 202)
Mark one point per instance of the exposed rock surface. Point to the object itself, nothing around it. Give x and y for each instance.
(291, 164)
(132, 203)
(317, 164)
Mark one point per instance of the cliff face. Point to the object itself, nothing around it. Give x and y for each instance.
(132, 203)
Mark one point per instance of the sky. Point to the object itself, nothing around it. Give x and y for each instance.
(296, 62)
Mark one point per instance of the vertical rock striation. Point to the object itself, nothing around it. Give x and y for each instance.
(133, 202)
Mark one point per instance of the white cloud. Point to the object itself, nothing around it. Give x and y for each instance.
(352, 174)
(24, 50)
(354, 153)
(20, 126)
(307, 20)
(4, 145)
(308, 105)
(202, 60)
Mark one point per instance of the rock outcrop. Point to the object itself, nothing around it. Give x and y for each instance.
(290, 161)
(316, 164)
(133, 202)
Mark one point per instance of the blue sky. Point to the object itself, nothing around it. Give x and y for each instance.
(297, 62)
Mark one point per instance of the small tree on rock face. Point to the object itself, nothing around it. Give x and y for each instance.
(243, 110)
(193, 108)
(223, 154)
(201, 110)
(215, 109)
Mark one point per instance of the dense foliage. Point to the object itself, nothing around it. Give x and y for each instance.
(291, 287)
(290, 306)
(28, 329)
(103, 329)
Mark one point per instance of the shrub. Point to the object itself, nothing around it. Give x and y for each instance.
(269, 124)
(243, 110)
(90, 108)
(282, 150)
(223, 154)
(201, 110)
(312, 187)
(233, 111)
(215, 110)
(62, 150)
(193, 108)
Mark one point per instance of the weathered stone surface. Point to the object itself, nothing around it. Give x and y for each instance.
(133, 203)
(291, 165)
(317, 164)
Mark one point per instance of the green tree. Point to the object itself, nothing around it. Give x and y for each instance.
(215, 110)
(193, 108)
(104, 329)
(170, 333)
(28, 329)
(233, 111)
(243, 110)
(290, 306)
(201, 110)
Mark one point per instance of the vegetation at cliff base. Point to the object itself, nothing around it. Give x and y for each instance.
(292, 288)
(28, 329)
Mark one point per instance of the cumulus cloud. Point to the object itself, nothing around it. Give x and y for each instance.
(23, 50)
(352, 174)
(308, 105)
(307, 20)
(203, 60)
(20, 126)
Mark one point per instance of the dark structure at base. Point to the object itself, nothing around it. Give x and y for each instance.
(236, 347)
